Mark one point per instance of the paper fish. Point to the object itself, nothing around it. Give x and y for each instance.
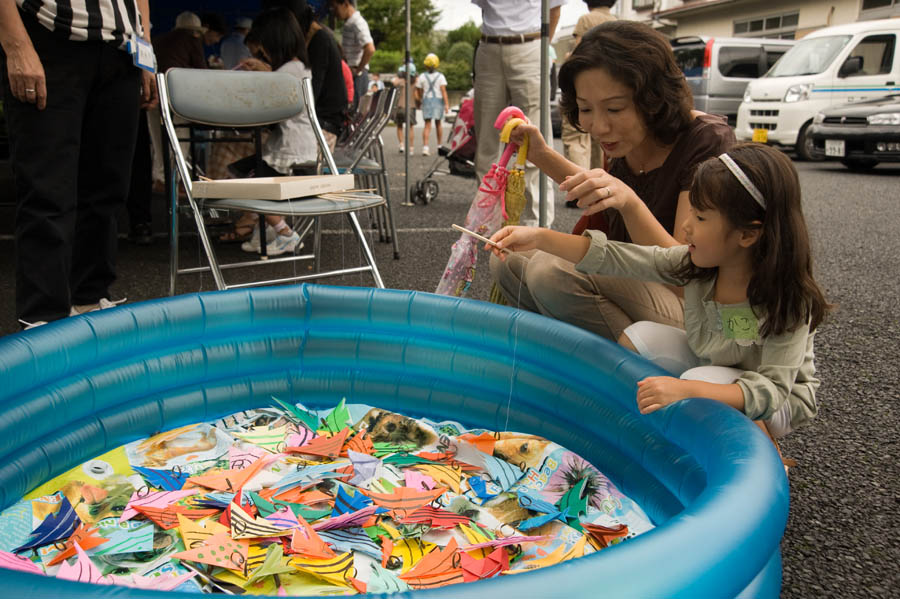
(283, 518)
(219, 550)
(299, 438)
(357, 518)
(83, 570)
(229, 480)
(338, 418)
(404, 500)
(270, 439)
(351, 539)
(169, 480)
(310, 420)
(310, 475)
(601, 536)
(444, 474)
(335, 570)
(483, 442)
(384, 581)
(505, 541)
(438, 568)
(573, 504)
(383, 449)
(242, 456)
(474, 534)
(347, 503)
(326, 447)
(361, 443)
(194, 534)
(274, 564)
(55, 527)
(478, 569)
(435, 517)
(406, 553)
(157, 499)
(245, 526)
(307, 543)
(479, 487)
(167, 518)
(534, 502)
(11, 561)
(502, 473)
(85, 536)
(560, 554)
(365, 467)
(417, 480)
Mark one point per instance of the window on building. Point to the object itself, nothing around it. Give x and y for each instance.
(879, 9)
(870, 4)
(776, 26)
(641, 4)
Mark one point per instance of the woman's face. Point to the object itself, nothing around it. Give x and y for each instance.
(607, 111)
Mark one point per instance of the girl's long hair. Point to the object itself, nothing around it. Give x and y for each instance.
(278, 32)
(782, 284)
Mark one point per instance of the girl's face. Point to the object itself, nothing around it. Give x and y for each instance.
(712, 240)
(607, 111)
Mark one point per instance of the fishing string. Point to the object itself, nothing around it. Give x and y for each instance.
(512, 374)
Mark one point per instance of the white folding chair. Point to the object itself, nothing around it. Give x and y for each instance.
(252, 100)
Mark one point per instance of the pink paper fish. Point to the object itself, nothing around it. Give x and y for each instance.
(158, 499)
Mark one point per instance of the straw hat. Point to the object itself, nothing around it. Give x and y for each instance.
(190, 21)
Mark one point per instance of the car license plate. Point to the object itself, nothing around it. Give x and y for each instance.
(761, 135)
(834, 147)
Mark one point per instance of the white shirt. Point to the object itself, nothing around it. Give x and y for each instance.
(430, 84)
(293, 141)
(355, 36)
(512, 17)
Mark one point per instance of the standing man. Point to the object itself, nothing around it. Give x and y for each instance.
(578, 145)
(357, 44)
(72, 95)
(233, 49)
(508, 72)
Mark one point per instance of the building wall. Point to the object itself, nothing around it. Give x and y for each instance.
(812, 15)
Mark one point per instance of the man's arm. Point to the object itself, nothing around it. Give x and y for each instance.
(554, 20)
(23, 65)
(368, 51)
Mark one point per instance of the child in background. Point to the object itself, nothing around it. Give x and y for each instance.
(277, 44)
(751, 305)
(431, 91)
(399, 82)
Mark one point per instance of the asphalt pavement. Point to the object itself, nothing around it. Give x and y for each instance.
(843, 532)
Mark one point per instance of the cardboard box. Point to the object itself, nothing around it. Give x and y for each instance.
(272, 188)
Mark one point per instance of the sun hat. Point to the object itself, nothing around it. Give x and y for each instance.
(190, 21)
(243, 23)
(432, 61)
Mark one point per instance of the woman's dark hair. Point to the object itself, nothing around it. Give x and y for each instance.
(278, 32)
(642, 59)
(782, 284)
(301, 9)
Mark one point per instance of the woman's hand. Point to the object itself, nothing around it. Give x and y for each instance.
(254, 64)
(514, 239)
(655, 392)
(596, 190)
(536, 142)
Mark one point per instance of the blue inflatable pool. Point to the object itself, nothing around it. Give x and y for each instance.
(706, 475)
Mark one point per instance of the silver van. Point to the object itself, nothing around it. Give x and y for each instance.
(718, 69)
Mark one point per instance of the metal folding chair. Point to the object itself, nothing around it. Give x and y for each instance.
(252, 100)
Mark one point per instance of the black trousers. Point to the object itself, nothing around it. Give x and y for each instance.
(140, 192)
(72, 167)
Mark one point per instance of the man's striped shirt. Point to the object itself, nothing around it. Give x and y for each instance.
(114, 21)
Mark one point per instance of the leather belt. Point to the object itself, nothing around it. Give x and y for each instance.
(510, 39)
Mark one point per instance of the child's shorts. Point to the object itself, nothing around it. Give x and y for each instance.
(400, 116)
(433, 109)
(667, 347)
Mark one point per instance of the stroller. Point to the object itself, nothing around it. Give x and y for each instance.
(459, 152)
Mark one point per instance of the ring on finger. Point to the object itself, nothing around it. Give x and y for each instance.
(608, 192)
(30, 91)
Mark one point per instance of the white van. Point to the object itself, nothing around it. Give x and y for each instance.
(845, 63)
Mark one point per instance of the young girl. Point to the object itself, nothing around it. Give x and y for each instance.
(751, 305)
(431, 92)
(277, 44)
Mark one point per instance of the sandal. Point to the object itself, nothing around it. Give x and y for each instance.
(243, 230)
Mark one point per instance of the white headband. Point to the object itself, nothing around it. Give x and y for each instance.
(743, 178)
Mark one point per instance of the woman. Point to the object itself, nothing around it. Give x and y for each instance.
(621, 85)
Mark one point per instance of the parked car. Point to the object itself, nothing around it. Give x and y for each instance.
(859, 134)
(830, 66)
(718, 69)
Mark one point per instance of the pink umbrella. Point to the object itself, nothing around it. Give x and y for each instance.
(486, 213)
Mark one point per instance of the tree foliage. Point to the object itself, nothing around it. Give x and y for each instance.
(387, 22)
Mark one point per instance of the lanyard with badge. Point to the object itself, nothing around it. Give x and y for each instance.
(142, 53)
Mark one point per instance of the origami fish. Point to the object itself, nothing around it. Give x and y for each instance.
(309, 419)
(245, 526)
(505, 541)
(85, 536)
(573, 504)
(335, 570)
(219, 550)
(352, 519)
(406, 553)
(55, 527)
(273, 565)
(560, 554)
(326, 447)
(157, 499)
(479, 569)
(601, 536)
(361, 443)
(435, 517)
(345, 503)
(351, 539)
(270, 439)
(243, 456)
(438, 568)
(384, 581)
(502, 473)
(230, 480)
(404, 500)
(168, 480)
(307, 542)
(535, 503)
(83, 570)
(194, 534)
(283, 518)
(167, 518)
(311, 475)
(338, 418)
(449, 476)
(365, 467)
(11, 561)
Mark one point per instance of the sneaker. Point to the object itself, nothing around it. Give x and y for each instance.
(252, 246)
(283, 244)
(425, 151)
(31, 325)
(103, 304)
(401, 148)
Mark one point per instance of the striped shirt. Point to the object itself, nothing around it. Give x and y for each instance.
(114, 21)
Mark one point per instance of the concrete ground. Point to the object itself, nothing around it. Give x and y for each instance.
(842, 535)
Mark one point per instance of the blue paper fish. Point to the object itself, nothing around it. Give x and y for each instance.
(168, 480)
(479, 487)
(345, 503)
(55, 527)
(384, 581)
(351, 539)
(502, 472)
(310, 474)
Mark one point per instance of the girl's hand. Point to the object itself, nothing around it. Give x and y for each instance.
(254, 64)
(655, 392)
(515, 239)
(597, 190)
